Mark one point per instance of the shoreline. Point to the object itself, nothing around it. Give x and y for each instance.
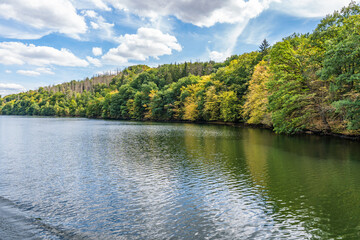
(305, 132)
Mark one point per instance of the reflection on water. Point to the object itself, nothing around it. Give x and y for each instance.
(79, 178)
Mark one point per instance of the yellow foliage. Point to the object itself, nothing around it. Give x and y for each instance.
(212, 104)
(191, 111)
(130, 106)
(113, 92)
(255, 108)
(148, 112)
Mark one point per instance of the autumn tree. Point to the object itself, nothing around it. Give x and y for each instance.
(255, 109)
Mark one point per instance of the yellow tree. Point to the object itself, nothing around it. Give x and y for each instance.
(197, 102)
(255, 109)
(190, 102)
(149, 110)
(229, 106)
(212, 104)
(191, 111)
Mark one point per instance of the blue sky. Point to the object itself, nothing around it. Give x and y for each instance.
(46, 42)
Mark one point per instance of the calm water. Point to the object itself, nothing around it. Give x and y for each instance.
(92, 179)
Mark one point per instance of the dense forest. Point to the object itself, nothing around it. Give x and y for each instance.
(306, 82)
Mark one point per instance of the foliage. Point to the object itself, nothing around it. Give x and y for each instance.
(264, 47)
(255, 109)
(304, 82)
(289, 93)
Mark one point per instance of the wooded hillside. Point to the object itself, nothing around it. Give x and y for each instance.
(305, 82)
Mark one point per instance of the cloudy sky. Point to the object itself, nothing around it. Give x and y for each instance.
(45, 42)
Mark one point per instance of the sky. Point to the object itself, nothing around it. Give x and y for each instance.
(45, 42)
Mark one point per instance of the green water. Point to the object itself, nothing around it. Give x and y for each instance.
(71, 178)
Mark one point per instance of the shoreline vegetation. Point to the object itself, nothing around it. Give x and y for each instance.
(306, 83)
(233, 124)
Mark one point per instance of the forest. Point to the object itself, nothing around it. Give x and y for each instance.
(306, 82)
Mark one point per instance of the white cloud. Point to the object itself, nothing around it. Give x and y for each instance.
(257, 31)
(100, 5)
(42, 17)
(310, 8)
(96, 62)
(16, 53)
(227, 43)
(97, 51)
(19, 31)
(45, 70)
(94, 25)
(8, 71)
(105, 27)
(99, 23)
(36, 72)
(28, 73)
(10, 88)
(90, 13)
(202, 13)
(90, 4)
(147, 42)
(218, 56)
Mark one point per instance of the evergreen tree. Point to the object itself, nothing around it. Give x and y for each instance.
(264, 47)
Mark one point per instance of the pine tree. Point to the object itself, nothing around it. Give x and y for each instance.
(264, 47)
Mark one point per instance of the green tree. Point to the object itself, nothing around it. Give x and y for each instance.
(342, 69)
(264, 47)
(289, 94)
(238, 73)
(229, 106)
(212, 105)
(47, 110)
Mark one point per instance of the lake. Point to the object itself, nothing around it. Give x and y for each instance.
(71, 178)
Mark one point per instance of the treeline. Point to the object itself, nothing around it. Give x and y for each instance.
(88, 85)
(173, 71)
(305, 82)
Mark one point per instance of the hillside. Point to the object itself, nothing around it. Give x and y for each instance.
(305, 82)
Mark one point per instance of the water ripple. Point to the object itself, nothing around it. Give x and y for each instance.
(78, 178)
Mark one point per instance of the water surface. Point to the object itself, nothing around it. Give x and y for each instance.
(66, 178)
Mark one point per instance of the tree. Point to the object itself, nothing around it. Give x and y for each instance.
(229, 106)
(191, 111)
(94, 108)
(255, 109)
(264, 47)
(342, 68)
(212, 105)
(237, 75)
(289, 95)
(47, 110)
